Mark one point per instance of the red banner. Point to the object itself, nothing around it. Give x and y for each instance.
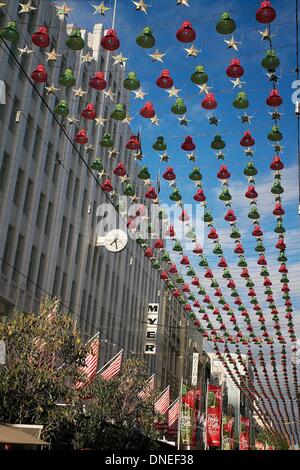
(245, 434)
(214, 416)
(228, 442)
(197, 410)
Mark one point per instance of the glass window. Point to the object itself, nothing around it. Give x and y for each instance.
(41, 274)
(63, 286)
(7, 253)
(72, 298)
(63, 232)
(70, 238)
(78, 249)
(69, 184)
(15, 108)
(19, 187)
(49, 218)
(49, 158)
(40, 212)
(37, 143)
(18, 258)
(56, 281)
(76, 192)
(31, 268)
(28, 197)
(28, 132)
(4, 172)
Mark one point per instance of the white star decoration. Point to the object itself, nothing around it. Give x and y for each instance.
(127, 120)
(26, 7)
(119, 59)
(25, 50)
(157, 56)
(101, 9)
(141, 6)
(183, 2)
(52, 55)
(79, 92)
(63, 10)
(232, 44)
(72, 120)
(192, 51)
(139, 94)
(173, 92)
(204, 88)
(237, 83)
(109, 94)
(51, 90)
(100, 121)
(155, 121)
(87, 58)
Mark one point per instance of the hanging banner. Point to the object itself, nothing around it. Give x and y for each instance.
(187, 417)
(197, 416)
(227, 441)
(195, 369)
(245, 434)
(213, 416)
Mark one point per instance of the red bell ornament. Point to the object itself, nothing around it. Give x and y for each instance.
(41, 37)
(39, 75)
(195, 282)
(266, 13)
(235, 70)
(262, 261)
(257, 232)
(120, 170)
(212, 235)
(159, 244)
(283, 269)
(173, 269)
(188, 145)
(171, 232)
(200, 196)
(223, 173)
(231, 284)
(208, 274)
(164, 276)
(187, 308)
(149, 253)
(222, 263)
(274, 99)
(198, 250)
(247, 140)
(165, 80)
(107, 186)
(209, 102)
(81, 137)
(245, 273)
(184, 261)
(89, 112)
(278, 210)
(98, 82)
(133, 143)
(230, 216)
(277, 164)
(186, 33)
(280, 245)
(267, 282)
(148, 111)
(186, 288)
(110, 41)
(169, 174)
(184, 217)
(196, 304)
(251, 193)
(151, 194)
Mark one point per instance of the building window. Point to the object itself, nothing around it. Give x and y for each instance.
(99, 270)
(37, 143)
(49, 218)
(56, 281)
(13, 115)
(70, 238)
(18, 187)
(28, 197)
(56, 169)
(40, 212)
(41, 274)
(31, 268)
(63, 232)
(48, 160)
(28, 132)
(78, 250)
(4, 172)
(3, 107)
(88, 259)
(84, 204)
(69, 184)
(63, 286)
(72, 298)
(76, 192)
(83, 304)
(7, 253)
(18, 258)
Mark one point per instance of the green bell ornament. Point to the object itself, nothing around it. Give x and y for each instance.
(195, 175)
(277, 188)
(171, 284)
(218, 143)
(10, 32)
(162, 215)
(203, 262)
(165, 257)
(264, 272)
(160, 145)
(242, 262)
(284, 279)
(249, 283)
(129, 190)
(279, 227)
(107, 141)
(268, 291)
(191, 234)
(250, 170)
(191, 272)
(241, 101)
(254, 214)
(146, 38)
(119, 113)
(62, 108)
(222, 301)
(208, 218)
(286, 296)
(74, 40)
(217, 249)
(67, 79)
(275, 135)
(140, 240)
(219, 319)
(97, 165)
(270, 61)
(260, 247)
(191, 297)
(202, 291)
(235, 234)
(175, 196)
(179, 280)
(177, 247)
(225, 195)
(150, 229)
(226, 25)
(131, 82)
(156, 264)
(282, 258)
(214, 284)
(144, 174)
(226, 274)
(179, 107)
(254, 301)
(199, 77)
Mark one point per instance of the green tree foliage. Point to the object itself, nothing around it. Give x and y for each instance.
(43, 353)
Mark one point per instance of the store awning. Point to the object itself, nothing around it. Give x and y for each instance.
(11, 435)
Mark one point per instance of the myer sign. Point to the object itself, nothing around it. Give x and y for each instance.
(151, 329)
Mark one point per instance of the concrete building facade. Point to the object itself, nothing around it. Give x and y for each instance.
(49, 202)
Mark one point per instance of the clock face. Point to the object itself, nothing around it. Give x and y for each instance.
(116, 241)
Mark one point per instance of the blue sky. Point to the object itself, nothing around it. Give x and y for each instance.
(165, 18)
